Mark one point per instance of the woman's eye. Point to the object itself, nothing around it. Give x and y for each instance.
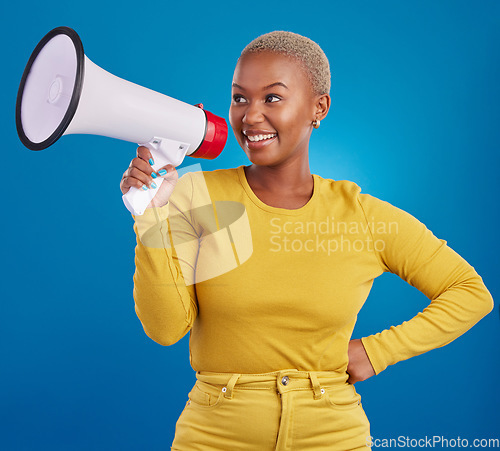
(238, 98)
(272, 98)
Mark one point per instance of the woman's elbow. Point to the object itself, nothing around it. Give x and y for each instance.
(166, 338)
(488, 303)
(165, 333)
(475, 298)
(485, 303)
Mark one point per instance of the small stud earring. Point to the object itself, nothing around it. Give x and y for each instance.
(316, 123)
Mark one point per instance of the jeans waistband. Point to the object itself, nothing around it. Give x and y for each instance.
(283, 381)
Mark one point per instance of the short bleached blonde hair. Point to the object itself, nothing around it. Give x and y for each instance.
(303, 49)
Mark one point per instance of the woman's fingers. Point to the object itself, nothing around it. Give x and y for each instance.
(128, 182)
(168, 171)
(140, 175)
(140, 171)
(145, 154)
(169, 175)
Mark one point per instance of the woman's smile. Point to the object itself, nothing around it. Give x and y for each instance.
(257, 139)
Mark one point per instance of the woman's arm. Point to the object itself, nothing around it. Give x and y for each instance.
(459, 298)
(164, 293)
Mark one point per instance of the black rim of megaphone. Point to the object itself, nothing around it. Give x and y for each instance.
(75, 98)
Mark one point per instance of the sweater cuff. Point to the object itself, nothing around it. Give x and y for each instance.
(375, 355)
(152, 217)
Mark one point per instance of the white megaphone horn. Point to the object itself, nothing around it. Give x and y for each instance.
(62, 92)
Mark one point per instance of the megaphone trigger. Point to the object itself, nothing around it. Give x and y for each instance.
(166, 151)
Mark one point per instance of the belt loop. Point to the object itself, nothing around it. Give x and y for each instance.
(318, 393)
(228, 389)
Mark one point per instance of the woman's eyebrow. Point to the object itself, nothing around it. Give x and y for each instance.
(278, 83)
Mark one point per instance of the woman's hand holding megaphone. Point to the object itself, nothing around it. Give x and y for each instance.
(139, 174)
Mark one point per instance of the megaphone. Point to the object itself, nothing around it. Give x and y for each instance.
(62, 92)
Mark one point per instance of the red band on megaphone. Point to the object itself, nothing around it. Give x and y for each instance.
(215, 138)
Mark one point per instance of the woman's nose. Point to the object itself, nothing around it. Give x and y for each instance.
(253, 114)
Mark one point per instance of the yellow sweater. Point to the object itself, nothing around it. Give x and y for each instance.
(262, 288)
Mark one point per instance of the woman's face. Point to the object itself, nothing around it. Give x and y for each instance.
(272, 108)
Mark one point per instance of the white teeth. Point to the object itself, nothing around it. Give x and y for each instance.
(260, 137)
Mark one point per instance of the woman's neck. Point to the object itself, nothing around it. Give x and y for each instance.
(287, 186)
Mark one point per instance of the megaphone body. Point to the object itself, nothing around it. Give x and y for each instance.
(62, 92)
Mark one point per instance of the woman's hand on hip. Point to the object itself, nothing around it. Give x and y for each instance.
(359, 367)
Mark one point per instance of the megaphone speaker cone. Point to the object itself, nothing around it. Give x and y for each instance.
(50, 88)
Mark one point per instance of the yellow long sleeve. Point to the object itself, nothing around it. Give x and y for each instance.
(459, 297)
(262, 288)
(165, 304)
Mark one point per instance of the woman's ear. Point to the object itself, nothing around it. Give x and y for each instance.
(323, 103)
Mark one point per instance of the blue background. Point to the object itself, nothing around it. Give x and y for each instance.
(414, 121)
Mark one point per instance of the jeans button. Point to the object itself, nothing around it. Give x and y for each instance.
(285, 380)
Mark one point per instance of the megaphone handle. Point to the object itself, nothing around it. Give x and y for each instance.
(164, 151)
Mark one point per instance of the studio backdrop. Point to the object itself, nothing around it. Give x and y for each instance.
(414, 121)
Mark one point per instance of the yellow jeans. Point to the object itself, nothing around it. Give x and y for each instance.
(282, 411)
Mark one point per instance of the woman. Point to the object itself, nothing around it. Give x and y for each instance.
(267, 266)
